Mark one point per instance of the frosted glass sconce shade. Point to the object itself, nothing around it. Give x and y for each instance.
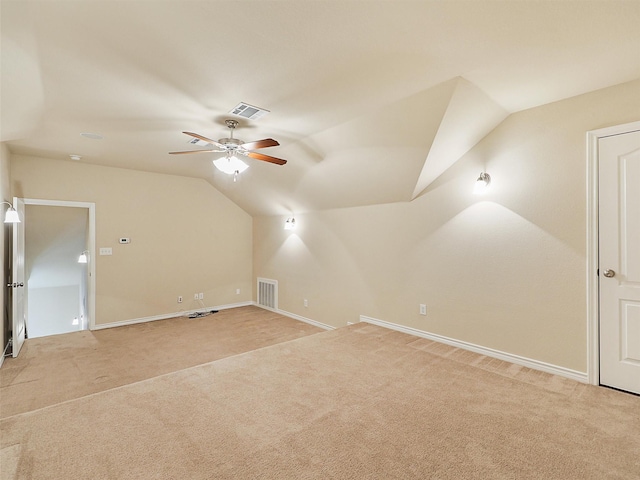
(482, 183)
(290, 224)
(11, 216)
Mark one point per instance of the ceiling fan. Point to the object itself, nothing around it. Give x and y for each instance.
(231, 147)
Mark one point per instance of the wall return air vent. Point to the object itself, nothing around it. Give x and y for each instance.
(245, 110)
(268, 293)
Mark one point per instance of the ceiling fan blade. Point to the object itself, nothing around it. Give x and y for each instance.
(194, 151)
(204, 139)
(266, 158)
(267, 142)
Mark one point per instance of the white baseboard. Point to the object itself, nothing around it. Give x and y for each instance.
(489, 352)
(297, 317)
(4, 354)
(168, 315)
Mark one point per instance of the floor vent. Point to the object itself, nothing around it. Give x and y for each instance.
(268, 293)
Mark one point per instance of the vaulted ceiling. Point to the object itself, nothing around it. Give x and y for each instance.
(370, 100)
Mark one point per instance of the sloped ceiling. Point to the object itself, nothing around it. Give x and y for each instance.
(370, 101)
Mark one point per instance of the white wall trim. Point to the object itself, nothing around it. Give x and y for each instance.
(91, 300)
(593, 333)
(297, 317)
(489, 352)
(166, 316)
(306, 320)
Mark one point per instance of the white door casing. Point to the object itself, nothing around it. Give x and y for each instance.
(18, 281)
(18, 266)
(619, 260)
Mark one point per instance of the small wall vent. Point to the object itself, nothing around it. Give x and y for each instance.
(245, 110)
(268, 293)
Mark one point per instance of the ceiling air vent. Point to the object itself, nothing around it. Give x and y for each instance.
(245, 110)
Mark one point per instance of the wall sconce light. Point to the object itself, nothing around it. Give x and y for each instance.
(84, 257)
(290, 224)
(11, 216)
(482, 183)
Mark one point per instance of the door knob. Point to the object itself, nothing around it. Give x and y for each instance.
(609, 273)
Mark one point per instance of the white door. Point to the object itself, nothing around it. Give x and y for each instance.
(17, 280)
(619, 260)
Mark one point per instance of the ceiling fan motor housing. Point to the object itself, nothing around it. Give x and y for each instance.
(230, 143)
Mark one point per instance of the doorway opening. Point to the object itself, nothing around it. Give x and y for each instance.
(59, 290)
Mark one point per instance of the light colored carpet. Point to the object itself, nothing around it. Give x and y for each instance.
(360, 402)
(54, 369)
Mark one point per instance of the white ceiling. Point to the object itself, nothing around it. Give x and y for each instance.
(370, 100)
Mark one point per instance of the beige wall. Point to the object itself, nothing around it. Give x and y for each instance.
(5, 196)
(504, 271)
(186, 237)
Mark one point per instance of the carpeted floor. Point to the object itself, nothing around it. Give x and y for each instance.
(54, 369)
(360, 402)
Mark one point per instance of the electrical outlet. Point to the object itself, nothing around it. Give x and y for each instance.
(423, 309)
(195, 296)
(306, 302)
(237, 291)
(201, 296)
(179, 298)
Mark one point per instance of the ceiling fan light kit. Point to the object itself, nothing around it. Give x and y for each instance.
(231, 147)
(230, 165)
